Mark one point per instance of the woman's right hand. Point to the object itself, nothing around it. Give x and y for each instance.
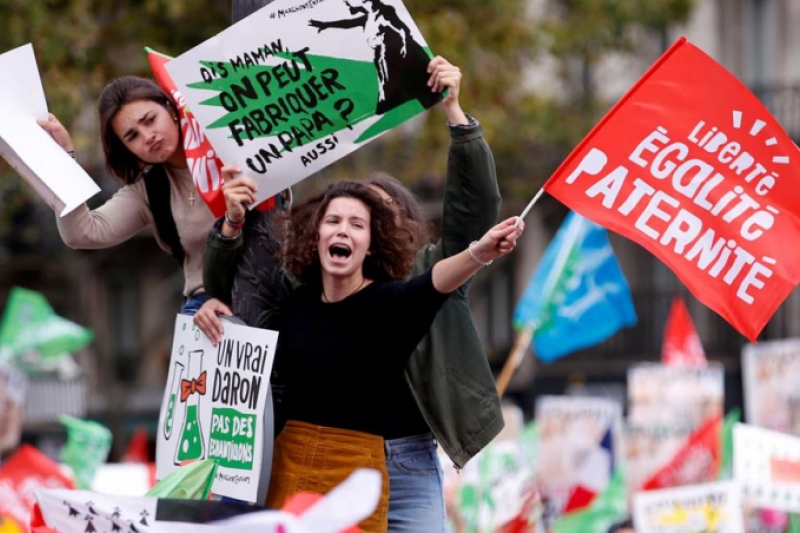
(207, 319)
(239, 192)
(57, 131)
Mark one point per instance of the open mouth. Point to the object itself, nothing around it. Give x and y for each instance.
(340, 250)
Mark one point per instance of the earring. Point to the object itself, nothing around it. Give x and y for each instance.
(175, 118)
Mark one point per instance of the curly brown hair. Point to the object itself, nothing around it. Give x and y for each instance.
(392, 244)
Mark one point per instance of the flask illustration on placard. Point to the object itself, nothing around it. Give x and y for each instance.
(174, 390)
(190, 445)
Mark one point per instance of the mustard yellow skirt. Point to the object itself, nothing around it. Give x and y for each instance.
(311, 458)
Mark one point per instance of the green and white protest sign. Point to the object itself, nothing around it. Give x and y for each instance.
(710, 508)
(301, 83)
(215, 404)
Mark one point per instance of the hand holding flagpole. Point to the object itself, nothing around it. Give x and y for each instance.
(528, 207)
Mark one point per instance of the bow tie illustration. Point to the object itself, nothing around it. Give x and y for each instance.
(189, 387)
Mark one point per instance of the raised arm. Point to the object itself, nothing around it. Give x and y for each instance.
(225, 242)
(452, 272)
(114, 222)
(471, 196)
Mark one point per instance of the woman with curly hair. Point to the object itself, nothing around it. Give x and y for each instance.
(348, 330)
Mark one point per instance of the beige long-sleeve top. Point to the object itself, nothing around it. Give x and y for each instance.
(127, 212)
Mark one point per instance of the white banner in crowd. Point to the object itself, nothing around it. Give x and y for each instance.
(215, 404)
(31, 151)
(674, 395)
(74, 511)
(300, 84)
(771, 378)
(710, 508)
(579, 445)
(648, 448)
(766, 464)
(77, 511)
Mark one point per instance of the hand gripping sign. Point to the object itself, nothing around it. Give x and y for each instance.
(690, 165)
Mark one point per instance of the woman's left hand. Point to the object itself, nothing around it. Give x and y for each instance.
(498, 241)
(207, 319)
(445, 75)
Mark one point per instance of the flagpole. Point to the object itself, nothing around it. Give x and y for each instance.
(529, 206)
(514, 359)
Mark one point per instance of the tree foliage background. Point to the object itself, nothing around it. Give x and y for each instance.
(82, 44)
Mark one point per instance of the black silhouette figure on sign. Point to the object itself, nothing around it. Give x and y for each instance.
(401, 62)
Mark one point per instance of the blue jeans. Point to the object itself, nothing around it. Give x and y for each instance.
(193, 304)
(416, 487)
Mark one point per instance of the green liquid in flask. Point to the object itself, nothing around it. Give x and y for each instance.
(170, 412)
(191, 444)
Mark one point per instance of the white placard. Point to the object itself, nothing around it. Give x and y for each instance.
(31, 151)
(580, 444)
(767, 466)
(771, 379)
(668, 396)
(77, 511)
(299, 84)
(711, 508)
(215, 407)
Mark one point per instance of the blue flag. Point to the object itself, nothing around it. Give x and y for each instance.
(577, 296)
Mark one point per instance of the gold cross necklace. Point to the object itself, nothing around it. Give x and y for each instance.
(191, 198)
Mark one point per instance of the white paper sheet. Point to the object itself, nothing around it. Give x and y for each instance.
(54, 175)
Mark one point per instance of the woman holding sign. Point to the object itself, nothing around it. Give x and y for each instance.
(142, 144)
(348, 331)
(437, 399)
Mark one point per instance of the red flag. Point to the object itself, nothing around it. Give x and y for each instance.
(696, 462)
(206, 167)
(691, 166)
(25, 471)
(681, 342)
(138, 447)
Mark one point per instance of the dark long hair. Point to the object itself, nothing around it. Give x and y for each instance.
(392, 246)
(120, 162)
(405, 201)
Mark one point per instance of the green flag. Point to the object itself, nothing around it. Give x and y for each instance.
(87, 447)
(726, 463)
(29, 323)
(608, 508)
(794, 523)
(190, 482)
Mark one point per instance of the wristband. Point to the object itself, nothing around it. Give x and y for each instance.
(473, 256)
(232, 224)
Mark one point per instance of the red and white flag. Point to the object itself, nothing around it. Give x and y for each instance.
(201, 157)
(26, 471)
(681, 344)
(692, 166)
(696, 462)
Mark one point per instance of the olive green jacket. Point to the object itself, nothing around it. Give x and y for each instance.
(448, 373)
